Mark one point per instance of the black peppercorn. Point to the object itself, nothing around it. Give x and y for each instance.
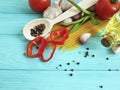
(86, 54)
(93, 55)
(37, 30)
(87, 48)
(109, 69)
(68, 63)
(101, 86)
(70, 74)
(65, 69)
(37, 47)
(107, 58)
(78, 63)
(24, 54)
(60, 65)
(71, 69)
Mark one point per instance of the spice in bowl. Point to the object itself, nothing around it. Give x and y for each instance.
(37, 30)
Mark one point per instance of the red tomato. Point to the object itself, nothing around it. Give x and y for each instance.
(39, 5)
(107, 8)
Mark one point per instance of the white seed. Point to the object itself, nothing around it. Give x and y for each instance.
(84, 38)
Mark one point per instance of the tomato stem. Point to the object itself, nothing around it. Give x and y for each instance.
(113, 1)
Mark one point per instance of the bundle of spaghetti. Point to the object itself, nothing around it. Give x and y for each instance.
(73, 41)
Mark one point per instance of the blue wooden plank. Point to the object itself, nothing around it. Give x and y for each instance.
(52, 80)
(14, 23)
(16, 7)
(14, 15)
(22, 73)
(12, 48)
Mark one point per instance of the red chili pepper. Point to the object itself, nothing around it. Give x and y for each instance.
(43, 42)
(59, 36)
(34, 42)
(107, 8)
(51, 55)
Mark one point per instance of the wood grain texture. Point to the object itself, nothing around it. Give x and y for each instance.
(22, 73)
(46, 80)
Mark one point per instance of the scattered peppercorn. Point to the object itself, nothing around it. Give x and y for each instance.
(70, 74)
(87, 48)
(37, 47)
(24, 54)
(93, 55)
(78, 63)
(107, 58)
(72, 70)
(68, 63)
(101, 86)
(60, 65)
(86, 54)
(109, 69)
(65, 69)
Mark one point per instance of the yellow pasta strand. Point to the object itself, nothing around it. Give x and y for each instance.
(73, 41)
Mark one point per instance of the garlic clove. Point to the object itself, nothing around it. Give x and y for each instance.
(64, 5)
(52, 11)
(66, 22)
(116, 48)
(84, 38)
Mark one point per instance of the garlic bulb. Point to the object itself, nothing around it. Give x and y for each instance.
(116, 48)
(66, 22)
(84, 38)
(52, 11)
(64, 5)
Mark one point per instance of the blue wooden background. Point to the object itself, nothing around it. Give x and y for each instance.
(18, 72)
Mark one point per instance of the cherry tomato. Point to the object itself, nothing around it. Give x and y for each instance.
(107, 8)
(39, 5)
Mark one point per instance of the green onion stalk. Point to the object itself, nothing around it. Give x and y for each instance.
(88, 16)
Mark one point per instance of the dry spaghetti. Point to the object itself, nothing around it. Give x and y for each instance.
(73, 41)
